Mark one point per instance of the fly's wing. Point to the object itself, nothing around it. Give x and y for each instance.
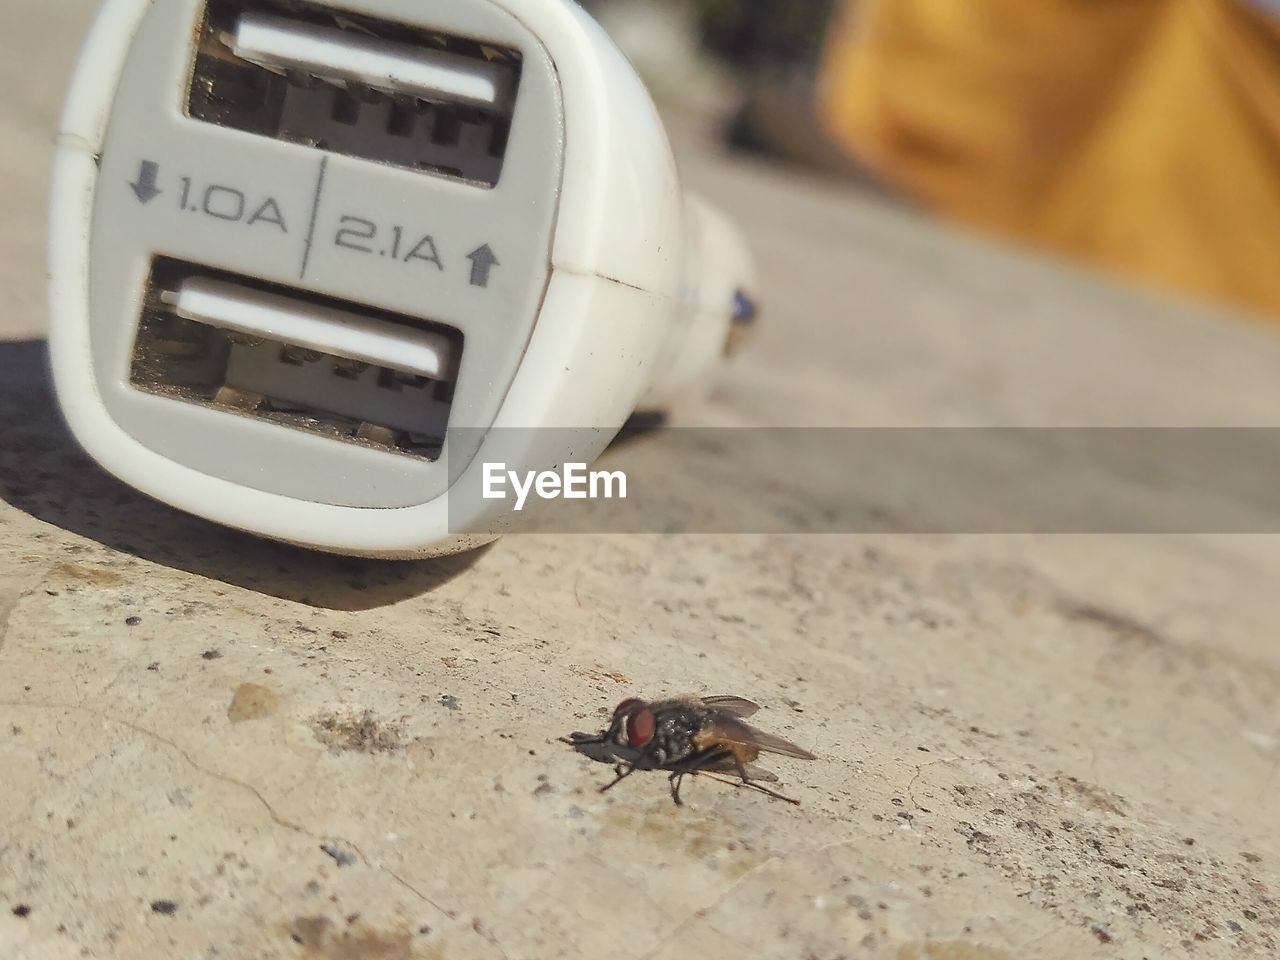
(728, 730)
(760, 773)
(729, 765)
(734, 706)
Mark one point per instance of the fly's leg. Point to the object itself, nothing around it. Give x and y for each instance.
(690, 767)
(622, 774)
(754, 785)
(675, 780)
(583, 739)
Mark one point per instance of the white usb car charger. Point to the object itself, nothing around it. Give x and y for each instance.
(309, 259)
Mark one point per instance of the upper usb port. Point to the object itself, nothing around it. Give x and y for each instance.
(357, 86)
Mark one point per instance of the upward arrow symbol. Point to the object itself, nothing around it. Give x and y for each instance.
(482, 263)
(145, 188)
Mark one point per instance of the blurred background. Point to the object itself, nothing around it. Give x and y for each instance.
(1139, 136)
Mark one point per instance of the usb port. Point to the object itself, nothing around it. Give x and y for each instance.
(252, 349)
(357, 86)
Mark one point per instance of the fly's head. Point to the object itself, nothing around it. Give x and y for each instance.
(633, 725)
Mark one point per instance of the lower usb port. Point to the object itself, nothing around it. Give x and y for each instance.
(356, 86)
(251, 349)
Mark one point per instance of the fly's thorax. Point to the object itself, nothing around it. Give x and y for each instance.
(674, 732)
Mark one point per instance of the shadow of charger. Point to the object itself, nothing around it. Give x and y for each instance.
(44, 473)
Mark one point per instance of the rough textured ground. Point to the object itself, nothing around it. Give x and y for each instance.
(1029, 746)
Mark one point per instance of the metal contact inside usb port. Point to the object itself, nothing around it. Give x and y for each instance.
(356, 86)
(306, 362)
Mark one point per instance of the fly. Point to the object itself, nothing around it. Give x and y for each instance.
(687, 736)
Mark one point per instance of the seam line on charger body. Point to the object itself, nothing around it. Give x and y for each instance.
(315, 216)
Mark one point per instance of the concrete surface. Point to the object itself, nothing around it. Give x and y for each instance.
(212, 747)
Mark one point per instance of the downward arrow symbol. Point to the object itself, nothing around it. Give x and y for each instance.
(145, 188)
(482, 263)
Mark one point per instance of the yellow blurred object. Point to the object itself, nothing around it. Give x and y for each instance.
(1143, 135)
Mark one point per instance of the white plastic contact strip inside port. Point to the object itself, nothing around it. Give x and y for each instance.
(229, 306)
(281, 44)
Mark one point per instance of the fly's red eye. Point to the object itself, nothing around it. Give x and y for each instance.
(626, 706)
(640, 727)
